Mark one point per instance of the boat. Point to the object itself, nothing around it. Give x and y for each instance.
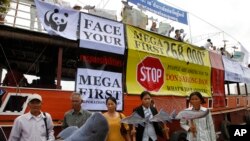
(54, 59)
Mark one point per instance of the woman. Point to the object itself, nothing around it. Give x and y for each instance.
(114, 120)
(201, 129)
(151, 130)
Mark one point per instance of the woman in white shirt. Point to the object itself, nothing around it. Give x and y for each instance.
(201, 129)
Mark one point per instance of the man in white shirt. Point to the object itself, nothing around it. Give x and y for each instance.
(34, 125)
(209, 44)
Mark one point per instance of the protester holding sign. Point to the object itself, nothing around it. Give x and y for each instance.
(150, 131)
(114, 120)
(200, 128)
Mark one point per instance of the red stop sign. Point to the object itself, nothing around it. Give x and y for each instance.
(150, 74)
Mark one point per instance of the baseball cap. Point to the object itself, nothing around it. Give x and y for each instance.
(35, 96)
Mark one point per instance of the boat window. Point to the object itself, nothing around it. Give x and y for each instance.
(238, 101)
(243, 89)
(226, 101)
(226, 89)
(14, 104)
(233, 89)
(210, 103)
(248, 89)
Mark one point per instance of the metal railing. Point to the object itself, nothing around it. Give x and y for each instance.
(22, 14)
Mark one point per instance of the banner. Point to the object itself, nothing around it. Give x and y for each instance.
(99, 76)
(164, 66)
(246, 74)
(218, 88)
(96, 86)
(101, 34)
(162, 9)
(233, 70)
(58, 20)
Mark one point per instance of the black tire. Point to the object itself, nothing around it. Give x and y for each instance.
(224, 129)
(179, 136)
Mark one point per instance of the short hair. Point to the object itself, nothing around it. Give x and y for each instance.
(144, 93)
(75, 94)
(112, 99)
(209, 40)
(199, 95)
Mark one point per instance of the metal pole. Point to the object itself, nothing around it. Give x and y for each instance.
(59, 68)
(189, 25)
(14, 23)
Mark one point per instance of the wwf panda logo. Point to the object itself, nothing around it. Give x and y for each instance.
(56, 20)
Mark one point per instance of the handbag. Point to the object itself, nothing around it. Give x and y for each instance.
(123, 130)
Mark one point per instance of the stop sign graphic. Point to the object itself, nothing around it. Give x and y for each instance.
(150, 74)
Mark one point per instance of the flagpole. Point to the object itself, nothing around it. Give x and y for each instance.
(17, 4)
(189, 25)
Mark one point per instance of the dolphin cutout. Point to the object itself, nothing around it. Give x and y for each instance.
(67, 132)
(95, 129)
(191, 114)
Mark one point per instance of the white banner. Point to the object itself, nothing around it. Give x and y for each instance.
(233, 70)
(58, 20)
(101, 34)
(246, 76)
(96, 86)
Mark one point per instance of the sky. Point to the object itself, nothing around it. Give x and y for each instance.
(215, 19)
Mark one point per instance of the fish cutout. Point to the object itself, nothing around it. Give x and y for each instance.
(134, 119)
(162, 117)
(95, 129)
(191, 114)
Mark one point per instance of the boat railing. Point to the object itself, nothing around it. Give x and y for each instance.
(19, 15)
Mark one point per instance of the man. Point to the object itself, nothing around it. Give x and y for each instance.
(34, 125)
(209, 44)
(76, 116)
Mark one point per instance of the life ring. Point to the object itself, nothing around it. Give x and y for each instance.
(224, 129)
(180, 135)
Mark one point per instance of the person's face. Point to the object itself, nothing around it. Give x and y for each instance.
(195, 101)
(146, 101)
(76, 102)
(111, 106)
(35, 106)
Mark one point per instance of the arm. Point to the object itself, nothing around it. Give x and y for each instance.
(15, 134)
(127, 136)
(50, 127)
(64, 124)
(133, 133)
(184, 124)
(165, 131)
(189, 128)
(211, 126)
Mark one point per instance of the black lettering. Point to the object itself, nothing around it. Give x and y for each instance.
(98, 27)
(84, 80)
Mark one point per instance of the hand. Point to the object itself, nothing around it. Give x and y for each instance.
(193, 129)
(166, 131)
(133, 132)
